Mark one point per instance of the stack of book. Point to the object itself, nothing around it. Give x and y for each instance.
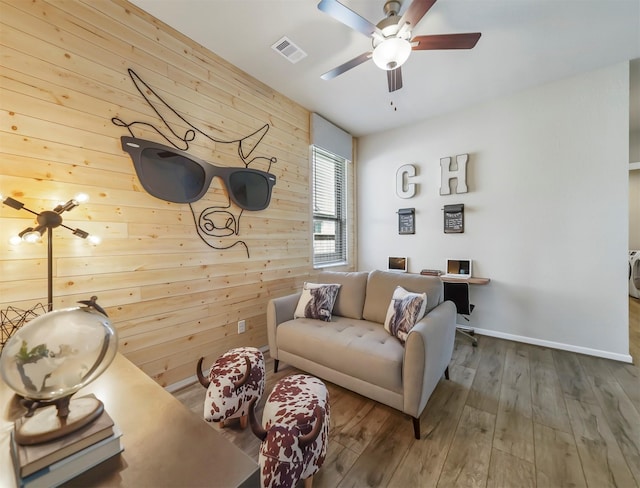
(52, 463)
(431, 272)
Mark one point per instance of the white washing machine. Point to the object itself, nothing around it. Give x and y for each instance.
(634, 274)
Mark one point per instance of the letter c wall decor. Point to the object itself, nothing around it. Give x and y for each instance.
(405, 176)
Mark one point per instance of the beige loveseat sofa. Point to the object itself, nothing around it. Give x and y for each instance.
(355, 351)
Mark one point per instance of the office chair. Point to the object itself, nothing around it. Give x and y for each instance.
(458, 293)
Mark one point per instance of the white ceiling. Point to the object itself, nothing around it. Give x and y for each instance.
(524, 43)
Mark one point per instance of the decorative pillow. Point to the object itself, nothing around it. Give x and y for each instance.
(406, 308)
(316, 301)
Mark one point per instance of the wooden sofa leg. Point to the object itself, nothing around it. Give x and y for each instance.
(416, 427)
(446, 373)
(275, 365)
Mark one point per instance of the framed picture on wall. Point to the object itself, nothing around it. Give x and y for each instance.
(407, 221)
(454, 219)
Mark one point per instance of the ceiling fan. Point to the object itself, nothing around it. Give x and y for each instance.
(392, 41)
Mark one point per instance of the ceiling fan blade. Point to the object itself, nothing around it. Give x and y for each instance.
(346, 66)
(348, 17)
(415, 12)
(446, 41)
(394, 79)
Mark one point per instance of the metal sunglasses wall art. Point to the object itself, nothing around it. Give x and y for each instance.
(175, 176)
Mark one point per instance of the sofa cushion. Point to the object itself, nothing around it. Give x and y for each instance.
(350, 299)
(316, 301)
(404, 311)
(382, 284)
(354, 347)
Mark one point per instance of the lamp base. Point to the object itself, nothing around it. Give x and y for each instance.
(45, 424)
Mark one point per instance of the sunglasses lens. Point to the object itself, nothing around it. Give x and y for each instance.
(252, 191)
(170, 176)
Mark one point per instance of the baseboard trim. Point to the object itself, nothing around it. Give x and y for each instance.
(625, 358)
(192, 379)
(181, 384)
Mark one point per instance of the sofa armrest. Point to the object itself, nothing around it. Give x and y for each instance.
(279, 310)
(427, 354)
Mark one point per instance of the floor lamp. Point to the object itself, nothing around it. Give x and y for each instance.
(47, 221)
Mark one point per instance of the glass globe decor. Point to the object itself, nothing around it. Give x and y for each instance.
(51, 358)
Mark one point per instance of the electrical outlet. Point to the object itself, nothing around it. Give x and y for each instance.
(241, 326)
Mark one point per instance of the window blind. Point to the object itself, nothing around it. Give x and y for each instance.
(331, 138)
(329, 208)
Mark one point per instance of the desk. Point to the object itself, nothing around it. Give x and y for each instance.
(165, 444)
(472, 281)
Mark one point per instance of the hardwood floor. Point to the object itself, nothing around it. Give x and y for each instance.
(512, 415)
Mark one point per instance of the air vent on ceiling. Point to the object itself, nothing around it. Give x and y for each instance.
(289, 50)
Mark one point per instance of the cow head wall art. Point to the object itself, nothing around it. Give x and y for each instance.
(171, 174)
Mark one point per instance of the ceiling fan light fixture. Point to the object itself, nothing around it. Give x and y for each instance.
(391, 53)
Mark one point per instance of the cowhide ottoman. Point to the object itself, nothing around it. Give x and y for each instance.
(235, 378)
(295, 433)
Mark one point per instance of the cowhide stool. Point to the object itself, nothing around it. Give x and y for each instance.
(295, 433)
(235, 378)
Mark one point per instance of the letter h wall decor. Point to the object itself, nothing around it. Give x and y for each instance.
(459, 174)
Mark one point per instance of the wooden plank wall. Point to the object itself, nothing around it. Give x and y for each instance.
(171, 297)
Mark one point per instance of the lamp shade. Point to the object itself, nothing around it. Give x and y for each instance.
(391, 53)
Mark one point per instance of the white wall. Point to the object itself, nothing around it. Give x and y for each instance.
(634, 209)
(546, 217)
(634, 154)
(634, 145)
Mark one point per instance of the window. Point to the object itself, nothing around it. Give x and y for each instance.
(329, 208)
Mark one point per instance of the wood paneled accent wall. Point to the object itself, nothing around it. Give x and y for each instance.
(171, 297)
